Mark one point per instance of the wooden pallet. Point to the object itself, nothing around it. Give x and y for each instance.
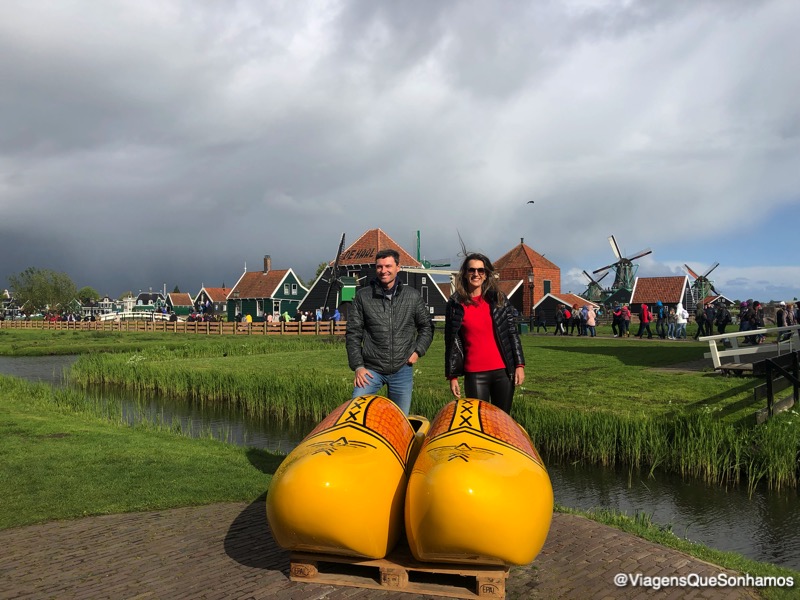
(400, 572)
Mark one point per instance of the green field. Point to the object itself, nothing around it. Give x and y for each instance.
(601, 401)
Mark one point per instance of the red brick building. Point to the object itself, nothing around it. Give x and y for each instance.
(529, 274)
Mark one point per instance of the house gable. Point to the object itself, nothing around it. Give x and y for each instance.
(358, 262)
(364, 249)
(519, 263)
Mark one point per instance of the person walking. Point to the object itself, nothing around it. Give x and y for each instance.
(662, 315)
(591, 321)
(723, 318)
(644, 322)
(671, 324)
(560, 318)
(480, 337)
(711, 316)
(700, 319)
(681, 317)
(616, 320)
(388, 330)
(626, 321)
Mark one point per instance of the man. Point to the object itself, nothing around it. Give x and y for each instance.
(662, 312)
(388, 329)
(711, 316)
(723, 318)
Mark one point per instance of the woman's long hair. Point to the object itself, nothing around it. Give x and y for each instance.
(489, 289)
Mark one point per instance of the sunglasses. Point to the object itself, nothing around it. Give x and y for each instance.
(479, 270)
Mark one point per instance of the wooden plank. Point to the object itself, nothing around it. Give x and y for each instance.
(737, 368)
(778, 385)
(784, 360)
(401, 572)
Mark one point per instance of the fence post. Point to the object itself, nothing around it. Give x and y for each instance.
(770, 397)
(796, 371)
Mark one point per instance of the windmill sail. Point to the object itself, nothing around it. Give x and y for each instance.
(334, 277)
(624, 267)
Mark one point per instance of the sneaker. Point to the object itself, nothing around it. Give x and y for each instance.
(615, 335)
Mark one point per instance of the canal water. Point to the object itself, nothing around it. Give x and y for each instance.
(762, 527)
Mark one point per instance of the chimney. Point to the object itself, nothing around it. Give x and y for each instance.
(521, 240)
(267, 263)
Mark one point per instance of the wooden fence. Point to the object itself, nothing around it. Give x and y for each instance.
(204, 328)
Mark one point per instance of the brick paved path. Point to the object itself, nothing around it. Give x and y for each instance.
(226, 551)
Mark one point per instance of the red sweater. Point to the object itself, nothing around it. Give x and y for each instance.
(480, 348)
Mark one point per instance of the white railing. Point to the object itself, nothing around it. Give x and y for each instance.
(137, 315)
(782, 346)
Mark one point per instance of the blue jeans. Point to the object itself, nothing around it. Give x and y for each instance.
(398, 384)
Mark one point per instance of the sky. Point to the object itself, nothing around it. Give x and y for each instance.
(175, 143)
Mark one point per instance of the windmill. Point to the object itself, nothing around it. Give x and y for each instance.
(624, 268)
(594, 291)
(701, 285)
(333, 280)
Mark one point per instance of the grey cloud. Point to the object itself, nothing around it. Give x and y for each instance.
(174, 141)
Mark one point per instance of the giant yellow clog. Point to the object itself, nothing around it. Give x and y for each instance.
(342, 490)
(478, 491)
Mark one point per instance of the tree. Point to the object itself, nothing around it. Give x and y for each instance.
(177, 290)
(88, 294)
(37, 290)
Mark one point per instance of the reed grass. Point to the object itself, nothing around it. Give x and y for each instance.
(604, 402)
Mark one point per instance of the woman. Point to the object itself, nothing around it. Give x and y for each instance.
(626, 321)
(616, 320)
(671, 324)
(575, 321)
(560, 321)
(591, 321)
(645, 316)
(481, 339)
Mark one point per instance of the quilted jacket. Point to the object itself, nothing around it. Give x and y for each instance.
(504, 319)
(383, 332)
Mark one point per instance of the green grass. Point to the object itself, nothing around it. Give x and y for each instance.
(65, 456)
(602, 401)
(62, 458)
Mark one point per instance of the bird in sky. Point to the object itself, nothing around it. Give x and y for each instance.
(531, 201)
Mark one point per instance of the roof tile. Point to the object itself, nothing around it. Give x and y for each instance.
(649, 290)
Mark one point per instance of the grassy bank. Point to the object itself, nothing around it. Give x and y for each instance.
(604, 401)
(63, 457)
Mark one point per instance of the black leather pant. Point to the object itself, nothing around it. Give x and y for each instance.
(495, 386)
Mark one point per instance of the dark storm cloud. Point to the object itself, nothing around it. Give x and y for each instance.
(171, 142)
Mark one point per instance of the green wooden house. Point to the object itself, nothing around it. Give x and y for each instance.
(180, 303)
(268, 292)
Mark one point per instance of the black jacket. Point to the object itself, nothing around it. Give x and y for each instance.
(382, 333)
(504, 319)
